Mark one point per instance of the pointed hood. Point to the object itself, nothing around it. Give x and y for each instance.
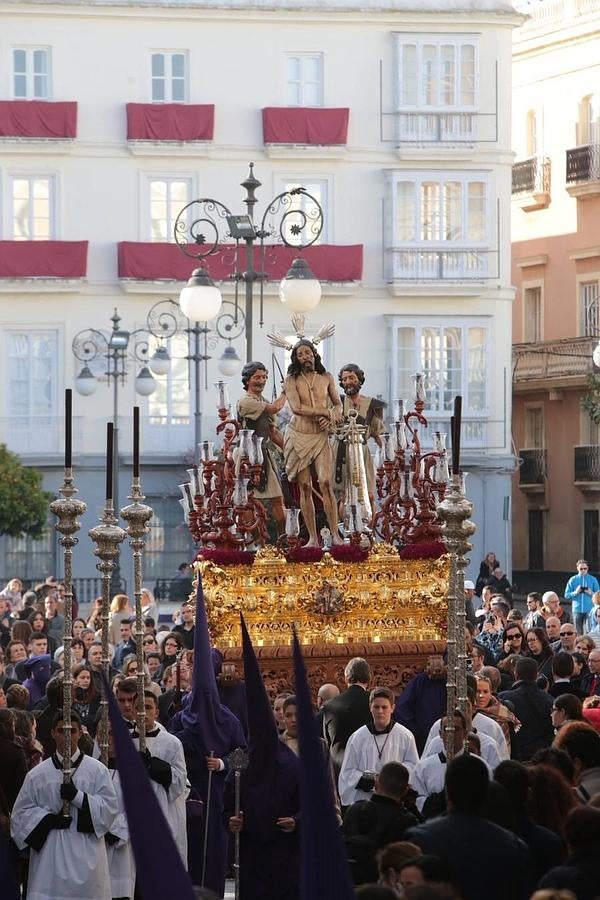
(262, 729)
(158, 864)
(324, 870)
(203, 710)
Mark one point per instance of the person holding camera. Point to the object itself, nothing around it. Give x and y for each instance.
(579, 591)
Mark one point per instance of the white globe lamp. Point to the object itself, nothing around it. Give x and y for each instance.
(200, 300)
(300, 290)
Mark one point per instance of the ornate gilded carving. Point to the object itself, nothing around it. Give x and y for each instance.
(381, 599)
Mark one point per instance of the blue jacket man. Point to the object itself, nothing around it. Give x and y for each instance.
(579, 591)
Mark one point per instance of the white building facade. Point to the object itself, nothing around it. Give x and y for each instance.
(396, 118)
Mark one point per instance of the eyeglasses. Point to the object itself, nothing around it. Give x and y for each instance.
(148, 642)
(567, 633)
(514, 637)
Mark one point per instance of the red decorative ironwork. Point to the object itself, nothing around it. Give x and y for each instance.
(410, 483)
(225, 513)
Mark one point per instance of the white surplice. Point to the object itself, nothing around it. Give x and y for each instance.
(121, 863)
(71, 865)
(166, 746)
(369, 752)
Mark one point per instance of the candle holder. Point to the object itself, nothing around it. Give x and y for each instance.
(107, 536)
(454, 512)
(137, 515)
(411, 483)
(67, 510)
(357, 512)
(223, 511)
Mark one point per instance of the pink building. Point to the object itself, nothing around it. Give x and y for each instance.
(556, 271)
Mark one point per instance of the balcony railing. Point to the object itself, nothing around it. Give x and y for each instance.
(542, 361)
(531, 176)
(412, 264)
(38, 435)
(436, 127)
(587, 463)
(583, 164)
(533, 469)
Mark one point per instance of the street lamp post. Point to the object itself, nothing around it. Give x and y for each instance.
(166, 319)
(293, 219)
(91, 344)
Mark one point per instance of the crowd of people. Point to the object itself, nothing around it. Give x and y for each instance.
(514, 814)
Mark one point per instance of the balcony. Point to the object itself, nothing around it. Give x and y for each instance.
(437, 127)
(165, 262)
(587, 467)
(533, 470)
(531, 183)
(550, 365)
(289, 130)
(42, 435)
(37, 265)
(179, 125)
(434, 265)
(38, 120)
(583, 171)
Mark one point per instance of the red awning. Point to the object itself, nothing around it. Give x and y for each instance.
(305, 125)
(43, 259)
(170, 122)
(38, 119)
(158, 262)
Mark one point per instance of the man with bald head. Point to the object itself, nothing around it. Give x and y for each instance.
(326, 692)
(553, 632)
(551, 607)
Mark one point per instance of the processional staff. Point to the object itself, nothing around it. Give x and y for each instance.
(454, 511)
(67, 510)
(238, 760)
(107, 536)
(137, 516)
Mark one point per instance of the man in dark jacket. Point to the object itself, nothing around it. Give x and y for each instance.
(372, 824)
(532, 707)
(345, 714)
(466, 785)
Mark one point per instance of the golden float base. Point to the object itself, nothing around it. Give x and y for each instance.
(383, 599)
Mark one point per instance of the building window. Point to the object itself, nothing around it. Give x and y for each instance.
(31, 374)
(536, 539)
(32, 560)
(318, 190)
(534, 428)
(168, 196)
(531, 135)
(437, 73)
(453, 360)
(589, 120)
(32, 208)
(441, 226)
(588, 308)
(591, 536)
(169, 542)
(452, 207)
(304, 79)
(169, 77)
(169, 405)
(31, 73)
(532, 313)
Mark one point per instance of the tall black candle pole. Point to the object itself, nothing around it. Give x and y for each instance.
(136, 442)
(68, 426)
(456, 441)
(109, 460)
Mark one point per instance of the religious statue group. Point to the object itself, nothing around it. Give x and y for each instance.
(324, 449)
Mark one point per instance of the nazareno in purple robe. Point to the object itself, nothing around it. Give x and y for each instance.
(202, 726)
(269, 857)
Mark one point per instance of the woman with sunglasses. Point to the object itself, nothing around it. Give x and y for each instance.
(539, 649)
(513, 641)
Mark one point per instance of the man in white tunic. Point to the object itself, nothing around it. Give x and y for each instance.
(373, 745)
(121, 863)
(68, 858)
(165, 761)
